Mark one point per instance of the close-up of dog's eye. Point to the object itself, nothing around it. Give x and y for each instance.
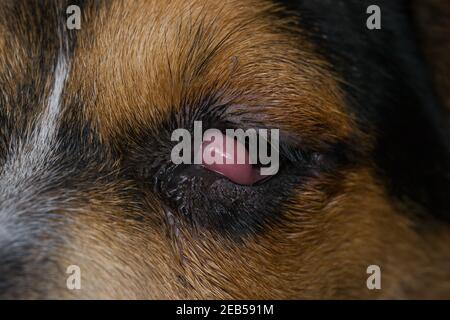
(231, 186)
(256, 150)
(229, 157)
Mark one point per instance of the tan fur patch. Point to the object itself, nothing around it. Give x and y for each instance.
(141, 61)
(321, 249)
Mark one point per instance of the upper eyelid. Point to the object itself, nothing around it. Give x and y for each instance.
(220, 120)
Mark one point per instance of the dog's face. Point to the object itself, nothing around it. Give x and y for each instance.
(86, 179)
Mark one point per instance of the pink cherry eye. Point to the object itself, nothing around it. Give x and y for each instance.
(228, 157)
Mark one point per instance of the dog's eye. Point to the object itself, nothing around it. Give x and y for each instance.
(232, 199)
(229, 157)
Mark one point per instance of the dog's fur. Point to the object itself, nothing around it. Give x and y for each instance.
(85, 175)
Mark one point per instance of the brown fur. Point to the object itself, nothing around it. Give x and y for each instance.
(321, 252)
(195, 48)
(132, 65)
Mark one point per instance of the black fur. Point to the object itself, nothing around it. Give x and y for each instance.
(388, 89)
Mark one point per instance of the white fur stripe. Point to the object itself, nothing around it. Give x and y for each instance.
(47, 127)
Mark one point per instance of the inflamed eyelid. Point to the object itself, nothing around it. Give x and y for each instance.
(232, 162)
